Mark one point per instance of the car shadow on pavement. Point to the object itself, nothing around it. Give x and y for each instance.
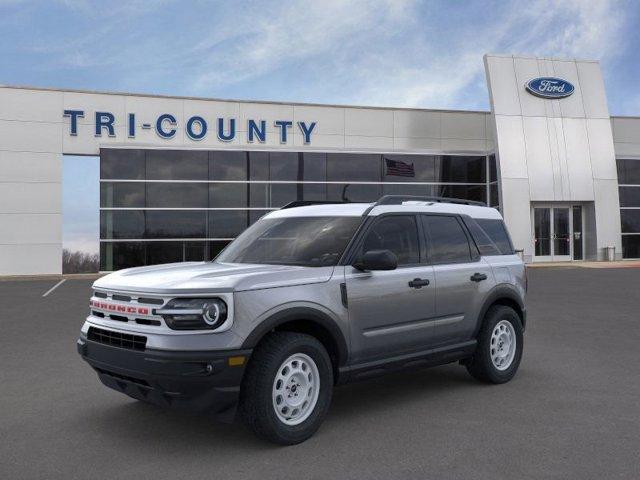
(133, 424)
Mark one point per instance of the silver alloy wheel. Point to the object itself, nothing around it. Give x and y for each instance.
(503, 345)
(296, 389)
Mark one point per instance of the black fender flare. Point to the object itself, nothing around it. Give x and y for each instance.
(500, 292)
(300, 313)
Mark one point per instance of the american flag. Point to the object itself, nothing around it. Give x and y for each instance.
(399, 169)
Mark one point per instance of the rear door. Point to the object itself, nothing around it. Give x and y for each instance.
(390, 312)
(462, 277)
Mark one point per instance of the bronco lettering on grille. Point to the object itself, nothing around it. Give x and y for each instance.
(111, 307)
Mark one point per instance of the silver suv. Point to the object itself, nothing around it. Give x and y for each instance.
(308, 297)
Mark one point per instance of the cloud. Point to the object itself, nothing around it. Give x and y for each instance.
(387, 52)
(381, 56)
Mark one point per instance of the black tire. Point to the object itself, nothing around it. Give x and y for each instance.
(480, 365)
(256, 401)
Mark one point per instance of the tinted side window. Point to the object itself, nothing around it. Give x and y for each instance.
(447, 241)
(497, 232)
(398, 233)
(484, 243)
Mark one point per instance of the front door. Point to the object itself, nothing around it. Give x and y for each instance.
(557, 233)
(389, 313)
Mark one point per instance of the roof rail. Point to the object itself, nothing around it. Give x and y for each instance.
(306, 203)
(399, 199)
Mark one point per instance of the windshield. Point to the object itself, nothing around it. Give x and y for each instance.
(304, 241)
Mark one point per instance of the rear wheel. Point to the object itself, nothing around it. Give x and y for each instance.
(500, 343)
(287, 388)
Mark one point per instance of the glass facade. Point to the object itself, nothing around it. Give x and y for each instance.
(159, 206)
(629, 191)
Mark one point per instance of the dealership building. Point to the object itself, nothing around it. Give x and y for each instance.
(180, 177)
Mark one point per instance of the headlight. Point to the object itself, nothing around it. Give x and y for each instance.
(194, 313)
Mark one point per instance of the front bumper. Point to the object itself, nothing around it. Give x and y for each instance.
(197, 381)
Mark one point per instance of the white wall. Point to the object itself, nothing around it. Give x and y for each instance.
(30, 182)
(34, 134)
(553, 150)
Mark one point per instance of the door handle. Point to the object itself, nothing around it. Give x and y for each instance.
(478, 277)
(418, 283)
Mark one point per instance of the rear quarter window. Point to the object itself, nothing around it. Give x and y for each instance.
(497, 232)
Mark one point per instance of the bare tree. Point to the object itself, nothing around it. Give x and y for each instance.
(80, 262)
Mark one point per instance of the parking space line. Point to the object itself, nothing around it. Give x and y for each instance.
(54, 287)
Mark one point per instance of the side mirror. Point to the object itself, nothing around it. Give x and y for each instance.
(377, 260)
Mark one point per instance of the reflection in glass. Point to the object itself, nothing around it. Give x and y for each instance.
(314, 166)
(561, 237)
(228, 165)
(419, 190)
(396, 233)
(631, 246)
(126, 164)
(285, 241)
(227, 195)
(447, 241)
(119, 255)
(195, 251)
(164, 252)
(461, 169)
(577, 232)
(494, 200)
(127, 195)
(283, 193)
(284, 166)
(493, 168)
(177, 195)
(176, 224)
(477, 193)
(355, 167)
(176, 165)
(630, 196)
(630, 221)
(628, 171)
(121, 224)
(227, 223)
(258, 166)
(346, 169)
(542, 229)
(350, 192)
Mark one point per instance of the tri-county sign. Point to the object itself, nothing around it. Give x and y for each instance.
(549, 87)
(196, 127)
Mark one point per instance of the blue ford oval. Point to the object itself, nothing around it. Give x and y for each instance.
(549, 87)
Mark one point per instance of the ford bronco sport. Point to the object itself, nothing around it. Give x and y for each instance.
(308, 297)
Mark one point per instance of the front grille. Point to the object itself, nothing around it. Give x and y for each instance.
(117, 339)
(121, 298)
(151, 301)
(127, 309)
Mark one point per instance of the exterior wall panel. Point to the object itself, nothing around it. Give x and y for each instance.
(30, 167)
(30, 259)
(579, 147)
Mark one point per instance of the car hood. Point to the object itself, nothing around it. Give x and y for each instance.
(210, 277)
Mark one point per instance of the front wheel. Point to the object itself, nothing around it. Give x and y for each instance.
(500, 343)
(287, 388)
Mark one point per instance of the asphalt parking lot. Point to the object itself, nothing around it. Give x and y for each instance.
(573, 410)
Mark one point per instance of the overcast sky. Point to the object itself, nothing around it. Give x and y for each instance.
(391, 53)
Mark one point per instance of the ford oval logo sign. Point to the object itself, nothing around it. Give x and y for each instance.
(549, 87)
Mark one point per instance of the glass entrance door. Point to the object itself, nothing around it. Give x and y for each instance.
(557, 233)
(561, 235)
(542, 232)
